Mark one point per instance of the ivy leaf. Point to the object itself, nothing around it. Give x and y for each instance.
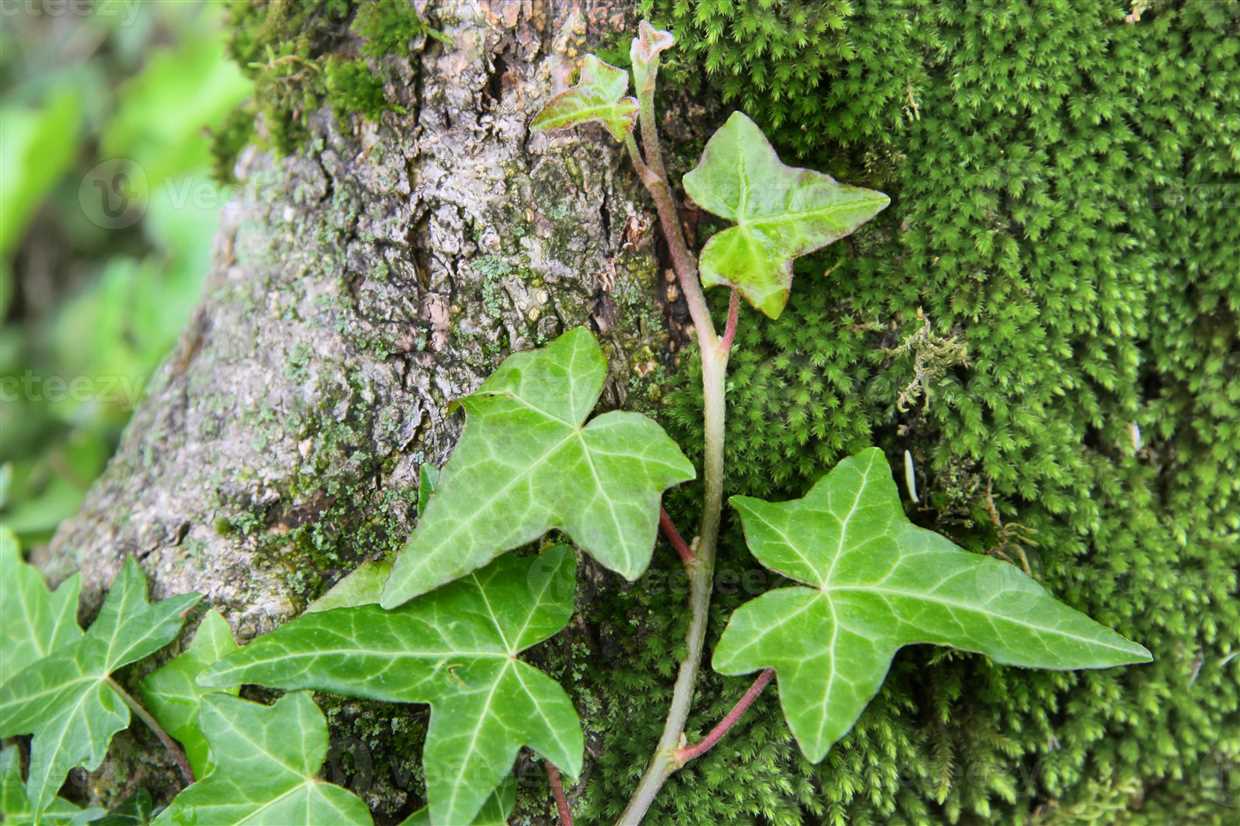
(172, 692)
(455, 649)
(781, 213)
(597, 97)
(644, 53)
(525, 465)
(361, 587)
(15, 808)
(267, 760)
(877, 582)
(494, 812)
(68, 701)
(33, 621)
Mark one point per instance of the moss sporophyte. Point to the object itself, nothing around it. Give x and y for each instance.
(447, 623)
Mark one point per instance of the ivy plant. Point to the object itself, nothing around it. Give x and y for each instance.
(455, 649)
(266, 764)
(447, 622)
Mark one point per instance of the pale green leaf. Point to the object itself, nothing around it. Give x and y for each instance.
(525, 464)
(781, 213)
(36, 147)
(267, 760)
(163, 113)
(644, 54)
(456, 649)
(68, 701)
(494, 812)
(428, 478)
(877, 582)
(15, 808)
(33, 622)
(172, 692)
(597, 97)
(361, 587)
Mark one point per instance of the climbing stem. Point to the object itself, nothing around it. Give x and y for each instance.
(687, 753)
(557, 789)
(701, 582)
(714, 354)
(187, 773)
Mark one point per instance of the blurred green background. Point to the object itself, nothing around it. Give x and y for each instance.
(107, 214)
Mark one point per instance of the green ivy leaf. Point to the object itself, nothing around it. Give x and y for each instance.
(494, 812)
(597, 97)
(68, 700)
(33, 622)
(877, 582)
(781, 213)
(15, 808)
(525, 465)
(361, 587)
(455, 649)
(172, 692)
(267, 760)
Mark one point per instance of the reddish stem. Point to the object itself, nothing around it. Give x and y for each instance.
(557, 789)
(687, 753)
(729, 330)
(673, 536)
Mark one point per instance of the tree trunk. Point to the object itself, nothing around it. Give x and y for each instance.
(358, 288)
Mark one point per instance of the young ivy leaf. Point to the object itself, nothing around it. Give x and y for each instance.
(456, 649)
(644, 54)
(267, 760)
(597, 97)
(15, 808)
(781, 213)
(33, 621)
(494, 812)
(877, 582)
(68, 701)
(525, 464)
(172, 692)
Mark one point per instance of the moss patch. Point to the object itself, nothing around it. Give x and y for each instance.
(306, 54)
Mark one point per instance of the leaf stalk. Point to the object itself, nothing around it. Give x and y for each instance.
(557, 790)
(170, 745)
(686, 753)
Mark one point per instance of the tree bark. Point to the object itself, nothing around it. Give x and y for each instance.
(358, 288)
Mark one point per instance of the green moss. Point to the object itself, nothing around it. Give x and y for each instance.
(302, 56)
(1063, 215)
(390, 26)
(352, 87)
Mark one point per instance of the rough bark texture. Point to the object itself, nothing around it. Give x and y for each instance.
(358, 288)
